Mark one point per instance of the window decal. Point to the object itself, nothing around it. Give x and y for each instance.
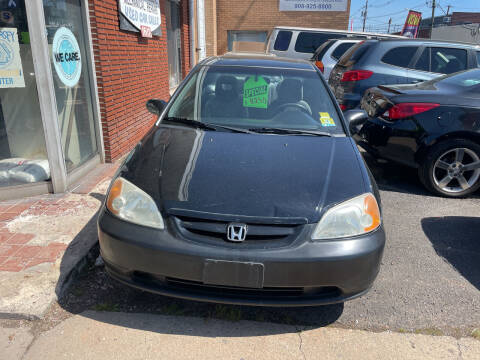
(326, 119)
(255, 93)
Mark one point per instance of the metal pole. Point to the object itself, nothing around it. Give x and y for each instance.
(365, 15)
(433, 18)
(389, 23)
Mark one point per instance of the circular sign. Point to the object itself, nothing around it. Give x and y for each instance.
(67, 57)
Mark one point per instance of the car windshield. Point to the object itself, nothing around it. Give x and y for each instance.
(256, 98)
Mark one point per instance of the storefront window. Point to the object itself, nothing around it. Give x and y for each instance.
(68, 49)
(23, 155)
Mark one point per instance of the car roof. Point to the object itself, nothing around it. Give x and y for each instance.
(257, 60)
(295, 28)
(425, 41)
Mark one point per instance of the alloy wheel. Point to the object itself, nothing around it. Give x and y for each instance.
(456, 170)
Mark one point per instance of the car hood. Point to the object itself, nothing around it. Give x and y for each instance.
(238, 177)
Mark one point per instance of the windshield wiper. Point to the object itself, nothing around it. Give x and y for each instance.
(205, 126)
(268, 130)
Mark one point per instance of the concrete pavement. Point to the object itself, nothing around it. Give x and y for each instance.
(42, 240)
(107, 335)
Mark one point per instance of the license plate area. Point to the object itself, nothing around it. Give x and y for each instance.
(233, 273)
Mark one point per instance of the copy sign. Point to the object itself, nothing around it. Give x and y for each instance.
(66, 57)
(144, 15)
(312, 5)
(11, 71)
(255, 93)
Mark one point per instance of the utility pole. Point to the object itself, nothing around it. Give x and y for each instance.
(389, 23)
(433, 18)
(365, 15)
(448, 9)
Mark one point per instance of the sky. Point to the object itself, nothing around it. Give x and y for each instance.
(379, 11)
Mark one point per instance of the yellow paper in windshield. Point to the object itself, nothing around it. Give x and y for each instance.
(255, 93)
(326, 119)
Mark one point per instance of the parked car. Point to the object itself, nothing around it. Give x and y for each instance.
(327, 55)
(301, 43)
(379, 62)
(433, 126)
(248, 190)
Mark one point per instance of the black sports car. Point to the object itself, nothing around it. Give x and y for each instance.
(433, 126)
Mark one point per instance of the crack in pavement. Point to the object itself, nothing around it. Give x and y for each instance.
(460, 354)
(299, 332)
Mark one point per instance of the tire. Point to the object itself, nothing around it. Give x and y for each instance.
(451, 168)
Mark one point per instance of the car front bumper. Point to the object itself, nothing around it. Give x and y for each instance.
(308, 273)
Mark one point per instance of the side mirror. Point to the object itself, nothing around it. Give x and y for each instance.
(355, 118)
(156, 106)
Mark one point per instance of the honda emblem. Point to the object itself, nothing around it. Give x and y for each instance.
(236, 232)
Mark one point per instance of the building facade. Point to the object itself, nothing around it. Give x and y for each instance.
(74, 83)
(251, 20)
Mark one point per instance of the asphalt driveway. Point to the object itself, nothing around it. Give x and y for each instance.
(429, 281)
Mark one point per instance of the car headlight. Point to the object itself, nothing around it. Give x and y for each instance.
(132, 204)
(356, 216)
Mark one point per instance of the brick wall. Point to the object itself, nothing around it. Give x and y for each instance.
(264, 15)
(130, 70)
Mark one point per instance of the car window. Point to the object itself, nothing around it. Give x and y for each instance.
(478, 58)
(341, 49)
(400, 56)
(354, 54)
(308, 42)
(283, 40)
(448, 60)
(423, 62)
(464, 81)
(252, 97)
(320, 52)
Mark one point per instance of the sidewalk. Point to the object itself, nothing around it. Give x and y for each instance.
(103, 335)
(42, 239)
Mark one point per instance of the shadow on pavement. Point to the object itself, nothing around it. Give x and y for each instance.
(457, 240)
(77, 250)
(395, 177)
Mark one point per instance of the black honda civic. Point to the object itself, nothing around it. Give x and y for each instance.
(248, 190)
(433, 126)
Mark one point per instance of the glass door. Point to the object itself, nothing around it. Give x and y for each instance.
(68, 51)
(174, 43)
(23, 155)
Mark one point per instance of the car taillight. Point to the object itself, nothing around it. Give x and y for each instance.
(343, 107)
(356, 75)
(320, 66)
(405, 110)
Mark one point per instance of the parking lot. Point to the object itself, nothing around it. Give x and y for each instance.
(429, 281)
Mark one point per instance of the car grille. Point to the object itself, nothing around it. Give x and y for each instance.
(211, 230)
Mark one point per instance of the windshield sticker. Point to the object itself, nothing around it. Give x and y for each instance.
(255, 93)
(326, 119)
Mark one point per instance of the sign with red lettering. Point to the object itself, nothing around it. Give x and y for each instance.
(410, 29)
(146, 31)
